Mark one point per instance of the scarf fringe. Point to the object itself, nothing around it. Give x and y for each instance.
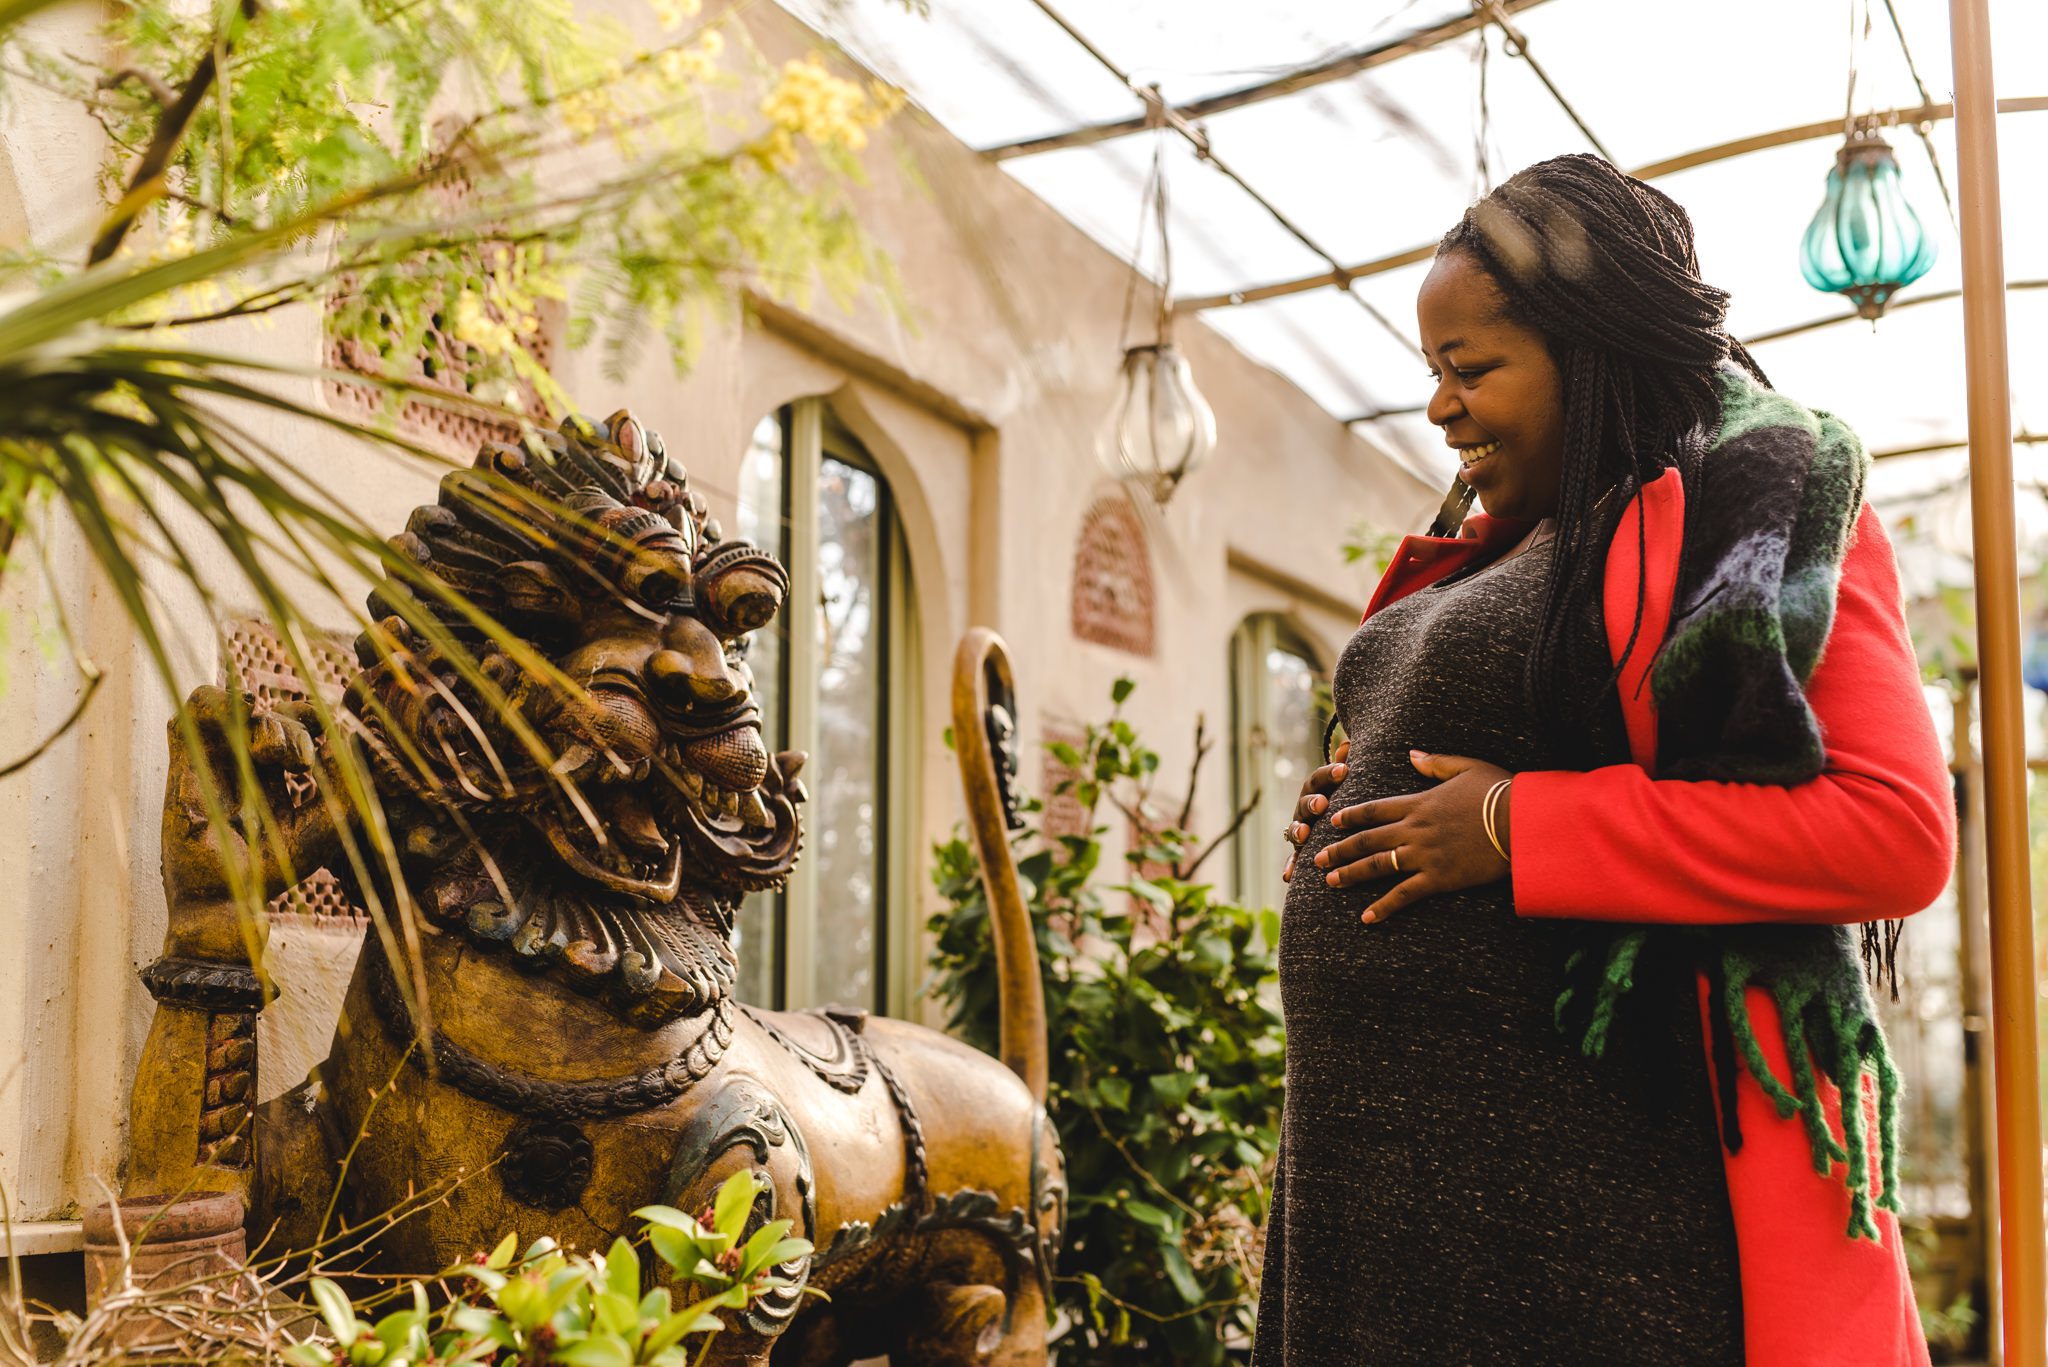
(1824, 1036)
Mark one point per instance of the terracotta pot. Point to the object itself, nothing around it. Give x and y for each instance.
(171, 1240)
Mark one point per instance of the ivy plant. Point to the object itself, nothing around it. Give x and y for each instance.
(1161, 1001)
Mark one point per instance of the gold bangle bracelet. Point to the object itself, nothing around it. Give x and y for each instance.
(1487, 812)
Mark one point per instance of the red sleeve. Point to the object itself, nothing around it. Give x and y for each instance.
(1874, 836)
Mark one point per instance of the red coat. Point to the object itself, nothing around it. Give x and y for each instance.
(1874, 836)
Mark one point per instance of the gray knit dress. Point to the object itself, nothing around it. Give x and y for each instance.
(1457, 1182)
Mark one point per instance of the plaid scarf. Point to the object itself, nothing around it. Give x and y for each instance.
(1766, 532)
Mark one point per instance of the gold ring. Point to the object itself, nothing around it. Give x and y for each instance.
(1394, 857)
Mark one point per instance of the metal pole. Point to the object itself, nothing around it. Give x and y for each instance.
(1973, 955)
(2015, 1042)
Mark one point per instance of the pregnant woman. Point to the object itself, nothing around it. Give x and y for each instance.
(1569, 959)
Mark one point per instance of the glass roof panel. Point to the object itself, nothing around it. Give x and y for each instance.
(1382, 161)
(1653, 81)
(1220, 237)
(1385, 161)
(993, 71)
(1324, 342)
(1197, 48)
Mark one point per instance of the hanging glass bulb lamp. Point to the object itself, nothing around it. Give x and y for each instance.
(1865, 241)
(1160, 428)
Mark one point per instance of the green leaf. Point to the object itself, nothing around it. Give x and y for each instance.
(616, 1314)
(1211, 953)
(1181, 1274)
(668, 1217)
(493, 1281)
(309, 1355)
(1122, 689)
(672, 1246)
(705, 1322)
(1114, 1091)
(1151, 1216)
(521, 1300)
(336, 1310)
(735, 1199)
(1150, 892)
(775, 1255)
(668, 1333)
(1173, 1089)
(484, 1323)
(395, 1329)
(501, 1256)
(599, 1350)
(622, 1270)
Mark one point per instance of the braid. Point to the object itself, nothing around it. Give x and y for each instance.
(1603, 267)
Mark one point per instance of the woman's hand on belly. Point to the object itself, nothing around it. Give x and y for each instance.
(1433, 841)
(1314, 800)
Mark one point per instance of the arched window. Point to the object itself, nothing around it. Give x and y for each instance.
(833, 679)
(1278, 705)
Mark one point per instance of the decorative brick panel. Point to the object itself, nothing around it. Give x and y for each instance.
(254, 659)
(1063, 815)
(1113, 578)
(442, 364)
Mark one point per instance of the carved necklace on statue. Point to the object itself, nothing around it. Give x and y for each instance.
(541, 1098)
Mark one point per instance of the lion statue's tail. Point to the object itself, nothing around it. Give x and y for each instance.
(985, 737)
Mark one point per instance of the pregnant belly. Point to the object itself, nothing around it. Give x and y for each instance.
(1462, 956)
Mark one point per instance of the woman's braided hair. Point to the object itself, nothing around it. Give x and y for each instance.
(1603, 268)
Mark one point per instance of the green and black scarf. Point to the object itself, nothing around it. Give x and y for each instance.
(1766, 533)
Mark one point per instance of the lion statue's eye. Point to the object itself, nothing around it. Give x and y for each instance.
(743, 600)
(740, 588)
(656, 580)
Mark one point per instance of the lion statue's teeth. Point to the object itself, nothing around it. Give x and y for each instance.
(734, 760)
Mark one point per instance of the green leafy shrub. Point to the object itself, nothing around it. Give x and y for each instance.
(580, 1310)
(1166, 1059)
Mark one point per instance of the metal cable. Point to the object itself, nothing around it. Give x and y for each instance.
(1921, 127)
(1483, 129)
(1518, 46)
(1855, 49)
(1198, 138)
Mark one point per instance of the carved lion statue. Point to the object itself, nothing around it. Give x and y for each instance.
(551, 1041)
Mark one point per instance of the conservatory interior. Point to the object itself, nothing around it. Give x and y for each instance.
(1224, 211)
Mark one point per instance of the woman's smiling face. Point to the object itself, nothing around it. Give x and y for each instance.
(1499, 395)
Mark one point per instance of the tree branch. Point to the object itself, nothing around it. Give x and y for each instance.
(1202, 747)
(1237, 821)
(1132, 814)
(147, 184)
(244, 308)
(158, 91)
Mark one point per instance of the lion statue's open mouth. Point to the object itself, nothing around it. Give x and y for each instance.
(596, 795)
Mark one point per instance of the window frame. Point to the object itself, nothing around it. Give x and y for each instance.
(1257, 855)
(810, 435)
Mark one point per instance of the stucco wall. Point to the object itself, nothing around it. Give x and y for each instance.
(978, 391)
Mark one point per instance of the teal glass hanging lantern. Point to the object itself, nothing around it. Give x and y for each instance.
(1865, 241)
